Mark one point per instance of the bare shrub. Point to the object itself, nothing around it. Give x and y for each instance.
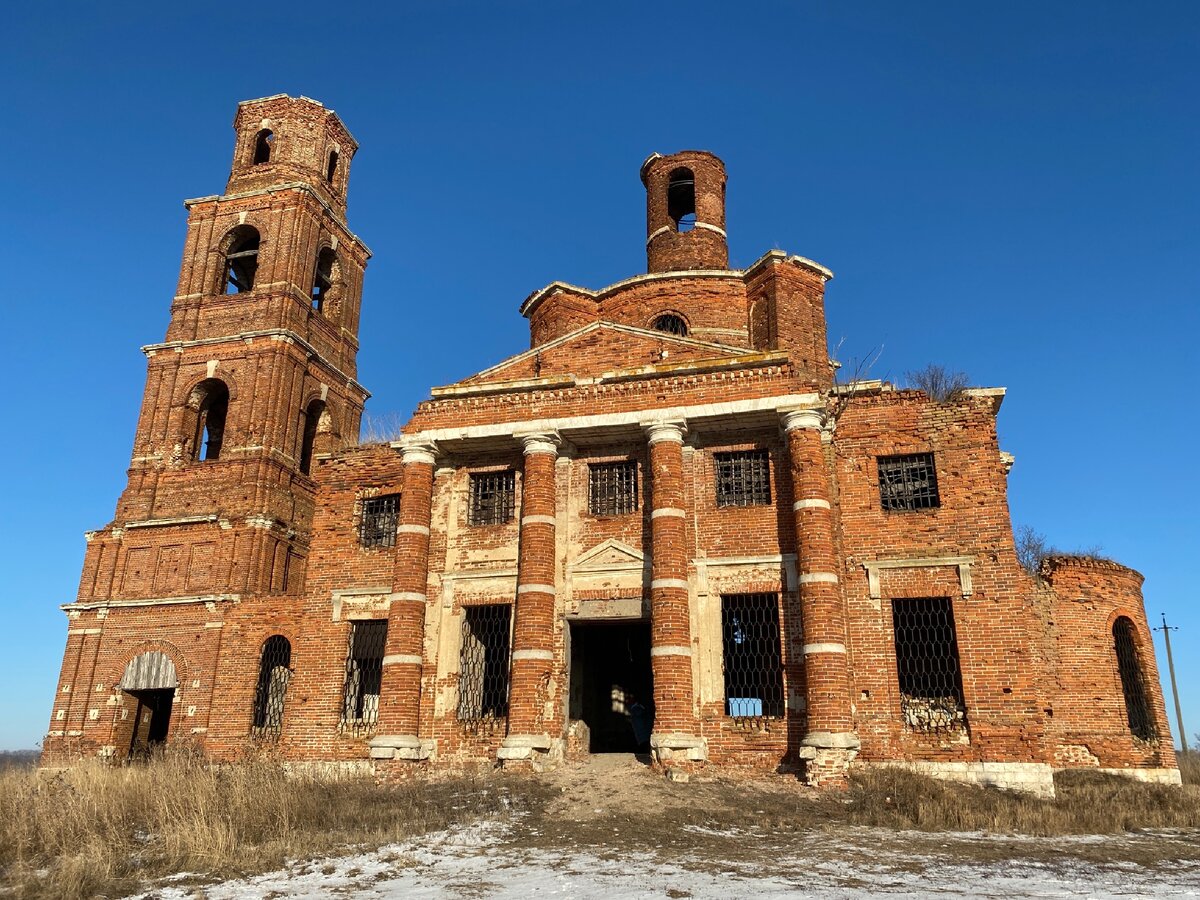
(1032, 549)
(381, 429)
(1189, 764)
(941, 384)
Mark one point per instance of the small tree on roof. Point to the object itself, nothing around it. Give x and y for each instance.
(941, 384)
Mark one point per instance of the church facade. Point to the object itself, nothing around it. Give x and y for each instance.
(664, 527)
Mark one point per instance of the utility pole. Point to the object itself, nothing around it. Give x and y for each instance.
(1166, 630)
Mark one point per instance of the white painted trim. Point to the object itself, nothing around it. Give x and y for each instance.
(680, 583)
(665, 430)
(418, 452)
(708, 227)
(535, 589)
(669, 511)
(402, 659)
(545, 655)
(539, 442)
(670, 651)
(828, 647)
(805, 418)
(150, 601)
(409, 596)
(538, 520)
(177, 520)
(811, 503)
(664, 230)
(412, 529)
(818, 578)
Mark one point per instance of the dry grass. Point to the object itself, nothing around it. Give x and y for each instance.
(97, 830)
(1189, 767)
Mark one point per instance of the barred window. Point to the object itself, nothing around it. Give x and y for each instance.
(274, 672)
(908, 482)
(483, 663)
(743, 478)
(377, 527)
(364, 674)
(931, 694)
(612, 488)
(493, 498)
(1133, 680)
(753, 662)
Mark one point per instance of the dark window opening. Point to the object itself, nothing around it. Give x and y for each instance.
(377, 528)
(681, 199)
(1133, 680)
(610, 687)
(493, 498)
(331, 169)
(753, 660)
(743, 478)
(612, 488)
(211, 402)
(483, 664)
(262, 146)
(151, 721)
(312, 420)
(364, 675)
(323, 277)
(908, 482)
(241, 260)
(671, 324)
(931, 694)
(274, 672)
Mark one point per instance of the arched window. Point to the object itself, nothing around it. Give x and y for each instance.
(681, 199)
(1133, 680)
(241, 260)
(671, 324)
(262, 146)
(331, 169)
(324, 277)
(274, 672)
(312, 421)
(210, 401)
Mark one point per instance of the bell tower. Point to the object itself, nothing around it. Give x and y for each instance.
(255, 378)
(685, 212)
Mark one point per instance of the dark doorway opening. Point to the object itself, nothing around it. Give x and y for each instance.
(611, 684)
(151, 721)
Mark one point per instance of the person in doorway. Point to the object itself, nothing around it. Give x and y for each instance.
(641, 720)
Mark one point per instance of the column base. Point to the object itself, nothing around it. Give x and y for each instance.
(827, 756)
(678, 748)
(400, 746)
(538, 750)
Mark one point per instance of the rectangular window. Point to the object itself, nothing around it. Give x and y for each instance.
(612, 488)
(364, 673)
(377, 528)
(753, 662)
(743, 478)
(493, 496)
(931, 695)
(908, 482)
(483, 663)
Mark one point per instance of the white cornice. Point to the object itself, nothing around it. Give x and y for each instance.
(149, 601)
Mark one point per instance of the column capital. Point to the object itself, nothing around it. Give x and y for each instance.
(804, 417)
(418, 451)
(539, 442)
(665, 430)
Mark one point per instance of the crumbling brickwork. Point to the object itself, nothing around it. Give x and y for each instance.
(663, 527)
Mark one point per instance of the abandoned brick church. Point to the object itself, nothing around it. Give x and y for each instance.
(662, 527)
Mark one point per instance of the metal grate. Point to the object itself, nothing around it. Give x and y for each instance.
(483, 664)
(931, 695)
(908, 482)
(364, 674)
(492, 498)
(671, 324)
(612, 488)
(753, 663)
(274, 672)
(1133, 681)
(743, 478)
(377, 527)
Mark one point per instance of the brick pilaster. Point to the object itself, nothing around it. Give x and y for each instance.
(400, 692)
(530, 731)
(830, 736)
(670, 618)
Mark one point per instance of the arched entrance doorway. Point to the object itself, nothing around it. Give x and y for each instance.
(151, 680)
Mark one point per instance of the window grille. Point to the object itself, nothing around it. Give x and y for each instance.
(743, 478)
(492, 498)
(1133, 681)
(612, 488)
(671, 324)
(274, 672)
(364, 674)
(931, 694)
(483, 664)
(908, 482)
(753, 662)
(377, 527)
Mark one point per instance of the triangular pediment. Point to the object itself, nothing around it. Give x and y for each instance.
(608, 556)
(599, 348)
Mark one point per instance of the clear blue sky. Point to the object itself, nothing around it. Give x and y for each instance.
(1008, 189)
